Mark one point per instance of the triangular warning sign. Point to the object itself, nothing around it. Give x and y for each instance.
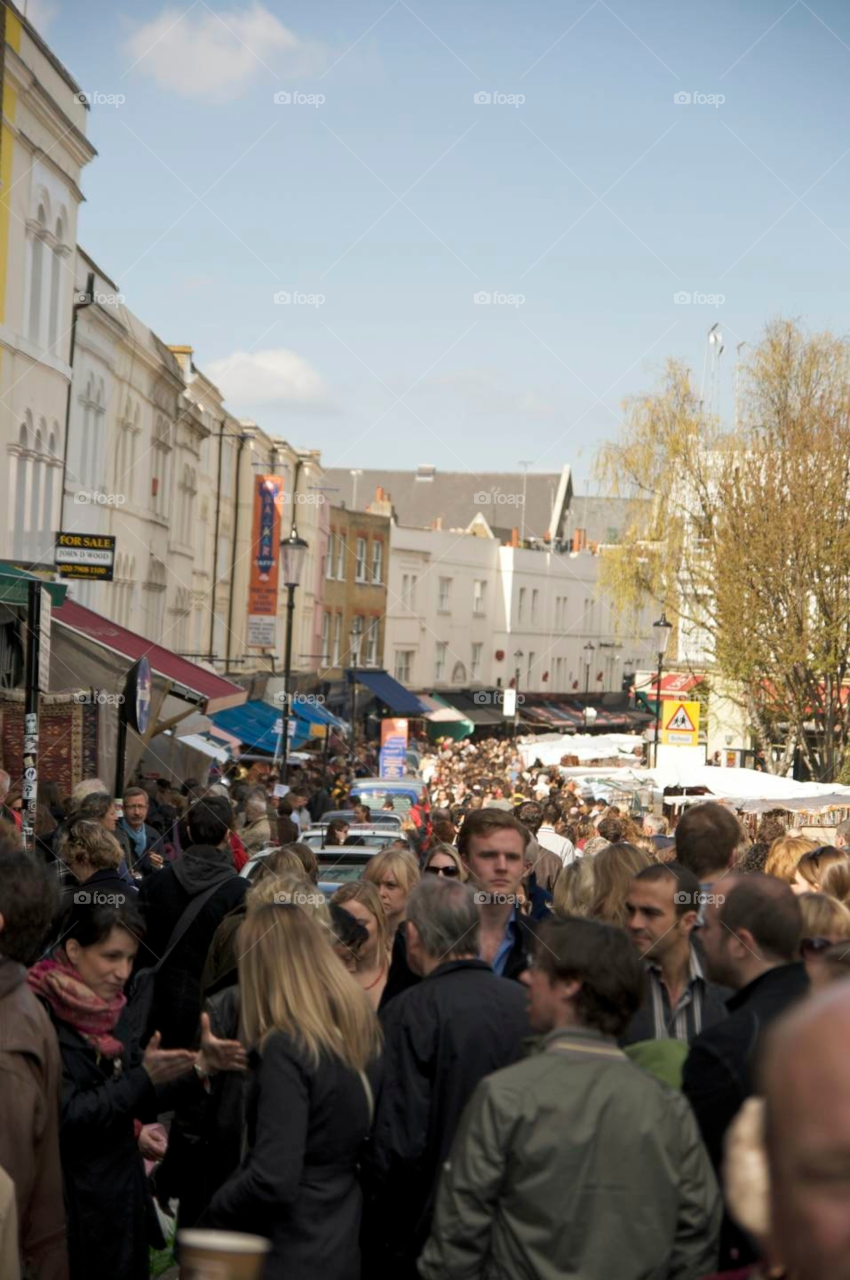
(681, 722)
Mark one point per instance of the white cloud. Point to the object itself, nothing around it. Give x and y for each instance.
(274, 376)
(41, 13)
(206, 55)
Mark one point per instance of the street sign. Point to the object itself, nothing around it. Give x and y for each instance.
(85, 555)
(679, 723)
(509, 704)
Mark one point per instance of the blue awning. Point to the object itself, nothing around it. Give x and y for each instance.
(256, 724)
(314, 712)
(399, 700)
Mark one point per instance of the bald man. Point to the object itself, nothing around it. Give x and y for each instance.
(807, 1090)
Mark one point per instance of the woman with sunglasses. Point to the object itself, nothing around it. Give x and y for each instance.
(826, 923)
(444, 860)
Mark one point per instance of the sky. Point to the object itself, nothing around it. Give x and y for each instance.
(630, 154)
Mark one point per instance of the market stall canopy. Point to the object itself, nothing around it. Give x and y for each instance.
(258, 725)
(483, 707)
(549, 748)
(441, 712)
(388, 690)
(751, 791)
(86, 632)
(14, 586)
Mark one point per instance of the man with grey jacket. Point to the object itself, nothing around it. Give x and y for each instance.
(574, 1162)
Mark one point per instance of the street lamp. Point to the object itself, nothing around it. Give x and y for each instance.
(661, 629)
(518, 657)
(292, 555)
(354, 636)
(589, 650)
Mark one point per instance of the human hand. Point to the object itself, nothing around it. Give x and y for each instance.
(217, 1054)
(165, 1065)
(153, 1142)
(155, 860)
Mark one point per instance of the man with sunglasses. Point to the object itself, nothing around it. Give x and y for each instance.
(441, 1037)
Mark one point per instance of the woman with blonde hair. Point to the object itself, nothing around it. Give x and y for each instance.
(783, 858)
(614, 868)
(362, 900)
(575, 888)
(826, 925)
(395, 874)
(836, 881)
(444, 860)
(308, 1110)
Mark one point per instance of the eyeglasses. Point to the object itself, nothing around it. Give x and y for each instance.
(442, 871)
(814, 946)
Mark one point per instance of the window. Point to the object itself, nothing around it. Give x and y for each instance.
(37, 274)
(534, 596)
(329, 558)
(532, 658)
(337, 640)
(521, 605)
(445, 595)
(326, 639)
(55, 287)
(372, 643)
(475, 665)
(377, 560)
(440, 662)
(405, 589)
(479, 589)
(161, 466)
(413, 582)
(360, 560)
(403, 665)
(355, 638)
(340, 557)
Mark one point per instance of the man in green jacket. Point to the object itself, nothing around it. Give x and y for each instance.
(575, 1164)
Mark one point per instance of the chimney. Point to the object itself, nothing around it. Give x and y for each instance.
(580, 540)
(515, 536)
(382, 503)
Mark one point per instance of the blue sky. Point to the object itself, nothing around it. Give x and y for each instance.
(597, 199)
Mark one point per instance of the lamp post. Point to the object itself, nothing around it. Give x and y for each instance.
(292, 554)
(589, 650)
(518, 657)
(662, 629)
(354, 636)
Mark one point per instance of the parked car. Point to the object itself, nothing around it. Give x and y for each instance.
(381, 818)
(404, 793)
(370, 836)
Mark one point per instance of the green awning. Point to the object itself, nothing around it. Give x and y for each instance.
(14, 586)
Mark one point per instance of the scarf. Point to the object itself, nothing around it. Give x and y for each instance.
(138, 839)
(72, 1001)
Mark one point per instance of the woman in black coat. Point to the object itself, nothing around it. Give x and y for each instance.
(108, 1084)
(308, 1106)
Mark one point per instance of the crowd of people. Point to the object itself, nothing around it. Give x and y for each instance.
(539, 1036)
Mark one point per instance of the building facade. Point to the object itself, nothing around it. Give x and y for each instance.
(354, 607)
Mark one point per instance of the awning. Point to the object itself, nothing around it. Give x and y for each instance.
(440, 712)
(314, 713)
(399, 700)
(197, 742)
(14, 586)
(479, 712)
(256, 724)
(204, 689)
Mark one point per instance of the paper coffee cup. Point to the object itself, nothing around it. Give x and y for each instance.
(221, 1255)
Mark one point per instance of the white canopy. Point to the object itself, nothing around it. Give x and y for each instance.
(550, 747)
(752, 791)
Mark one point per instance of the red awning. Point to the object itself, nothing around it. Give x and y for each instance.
(674, 685)
(208, 691)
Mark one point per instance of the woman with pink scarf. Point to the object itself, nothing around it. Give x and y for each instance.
(108, 1086)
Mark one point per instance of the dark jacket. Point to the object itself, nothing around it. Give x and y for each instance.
(111, 1218)
(401, 977)
(642, 1025)
(440, 1039)
(575, 1163)
(103, 881)
(719, 1071)
(298, 1185)
(163, 899)
(30, 1078)
(153, 844)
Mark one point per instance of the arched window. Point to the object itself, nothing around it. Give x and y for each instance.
(37, 274)
(22, 465)
(38, 478)
(55, 287)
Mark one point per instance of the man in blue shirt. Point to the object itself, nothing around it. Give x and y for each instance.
(492, 844)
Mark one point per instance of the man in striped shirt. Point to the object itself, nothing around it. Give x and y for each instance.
(679, 1002)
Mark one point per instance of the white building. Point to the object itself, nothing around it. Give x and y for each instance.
(471, 603)
(44, 151)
